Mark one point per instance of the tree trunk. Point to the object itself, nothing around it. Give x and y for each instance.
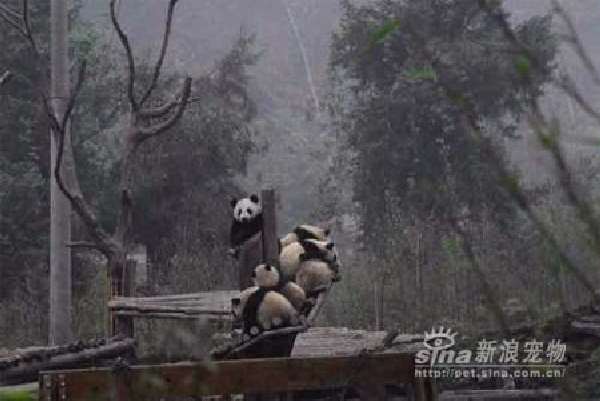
(60, 330)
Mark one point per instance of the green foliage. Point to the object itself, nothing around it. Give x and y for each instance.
(523, 66)
(425, 73)
(404, 117)
(382, 33)
(18, 395)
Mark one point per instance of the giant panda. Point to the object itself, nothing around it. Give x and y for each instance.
(268, 276)
(247, 221)
(318, 267)
(321, 250)
(266, 309)
(302, 232)
(291, 247)
(292, 255)
(238, 304)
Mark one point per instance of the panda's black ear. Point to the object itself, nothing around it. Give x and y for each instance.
(254, 198)
(330, 246)
(233, 202)
(268, 268)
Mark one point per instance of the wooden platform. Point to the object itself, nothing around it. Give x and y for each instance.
(181, 306)
(250, 376)
(341, 341)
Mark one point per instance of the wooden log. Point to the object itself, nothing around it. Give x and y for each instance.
(27, 372)
(250, 376)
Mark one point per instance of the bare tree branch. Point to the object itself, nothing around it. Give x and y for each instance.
(160, 110)
(575, 41)
(27, 25)
(12, 18)
(130, 61)
(104, 242)
(566, 84)
(5, 77)
(148, 132)
(83, 244)
(163, 51)
(10, 13)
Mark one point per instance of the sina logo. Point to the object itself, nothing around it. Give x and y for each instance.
(437, 349)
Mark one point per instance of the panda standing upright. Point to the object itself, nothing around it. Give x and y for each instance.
(247, 221)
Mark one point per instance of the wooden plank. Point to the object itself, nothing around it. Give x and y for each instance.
(231, 377)
(166, 315)
(208, 303)
(538, 394)
(338, 341)
(176, 309)
(178, 297)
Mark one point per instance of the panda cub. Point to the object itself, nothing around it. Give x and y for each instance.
(247, 221)
(303, 232)
(263, 307)
(291, 247)
(318, 267)
(269, 277)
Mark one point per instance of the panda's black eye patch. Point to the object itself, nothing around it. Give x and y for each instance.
(249, 211)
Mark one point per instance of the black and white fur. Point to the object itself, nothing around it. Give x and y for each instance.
(247, 221)
(268, 276)
(318, 267)
(291, 247)
(302, 232)
(266, 309)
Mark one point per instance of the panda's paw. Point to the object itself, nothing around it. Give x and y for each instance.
(277, 321)
(254, 331)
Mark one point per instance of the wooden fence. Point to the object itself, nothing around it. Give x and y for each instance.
(368, 375)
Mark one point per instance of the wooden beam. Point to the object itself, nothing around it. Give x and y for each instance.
(270, 241)
(250, 256)
(249, 376)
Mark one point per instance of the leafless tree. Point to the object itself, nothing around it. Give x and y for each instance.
(144, 122)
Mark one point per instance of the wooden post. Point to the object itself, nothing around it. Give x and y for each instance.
(123, 285)
(250, 256)
(270, 241)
